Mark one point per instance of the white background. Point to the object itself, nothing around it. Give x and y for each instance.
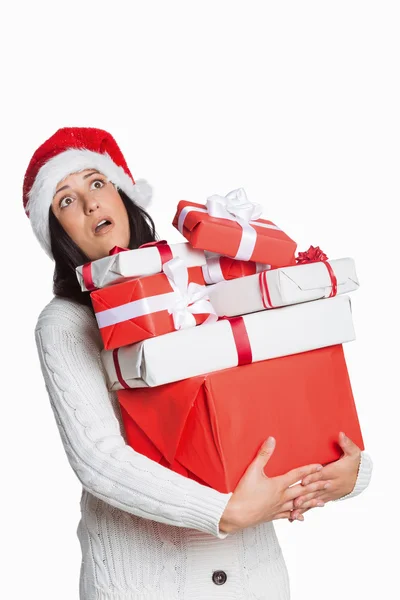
(298, 102)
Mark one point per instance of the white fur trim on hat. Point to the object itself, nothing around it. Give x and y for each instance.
(72, 161)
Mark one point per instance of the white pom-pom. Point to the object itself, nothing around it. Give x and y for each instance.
(142, 192)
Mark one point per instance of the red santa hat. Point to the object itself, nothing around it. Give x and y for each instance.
(70, 150)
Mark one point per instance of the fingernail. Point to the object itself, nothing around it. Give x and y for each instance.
(326, 486)
(270, 441)
(321, 504)
(319, 467)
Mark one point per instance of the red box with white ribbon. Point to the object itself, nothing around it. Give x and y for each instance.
(284, 286)
(210, 428)
(138, 309)
(232, 226)
(230, 342)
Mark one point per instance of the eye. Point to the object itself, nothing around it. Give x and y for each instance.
(64, 201)
(97, 187)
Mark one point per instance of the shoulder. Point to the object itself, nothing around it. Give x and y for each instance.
(69, 316)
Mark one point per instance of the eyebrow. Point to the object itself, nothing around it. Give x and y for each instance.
(85, 177)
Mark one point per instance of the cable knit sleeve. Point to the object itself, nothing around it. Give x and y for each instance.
(90, 431)
(363, 477)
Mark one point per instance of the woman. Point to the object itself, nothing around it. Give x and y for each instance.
(145, 531)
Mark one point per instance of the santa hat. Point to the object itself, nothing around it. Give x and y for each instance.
(70, 150)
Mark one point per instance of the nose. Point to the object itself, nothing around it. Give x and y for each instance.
(90, 204)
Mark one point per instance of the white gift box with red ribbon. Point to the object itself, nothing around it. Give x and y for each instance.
(230, 342)
(284, 286)
(125, 264)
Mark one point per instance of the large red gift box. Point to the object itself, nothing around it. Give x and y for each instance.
(138, 309)
(225, 236)
(209, 428)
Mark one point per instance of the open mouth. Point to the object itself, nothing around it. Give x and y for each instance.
(103, 227)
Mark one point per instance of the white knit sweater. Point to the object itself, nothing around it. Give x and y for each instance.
(146, 533)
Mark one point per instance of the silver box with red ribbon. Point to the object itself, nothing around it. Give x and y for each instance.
(230, 342)
(123, 263)
(284, 286)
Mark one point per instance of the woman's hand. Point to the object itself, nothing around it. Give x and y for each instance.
(259, 498)
(342, 476)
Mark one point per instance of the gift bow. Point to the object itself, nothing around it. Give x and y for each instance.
(234, 206)
(313, 254)
(190, 298)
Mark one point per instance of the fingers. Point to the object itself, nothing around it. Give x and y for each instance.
(312, 501)
(283, 515)
(296, 474)
(294, 517)
(311, 478)
(347, 445)
(304, 498)
(265, 453)
(301, 490)
(309, 502)
(298, 514)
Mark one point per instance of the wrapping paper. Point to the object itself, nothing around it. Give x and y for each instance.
(268, 334)
(209, 428)
(222, 268)
(283, 286)
(224, 236)
(134, 263)
(138, 309)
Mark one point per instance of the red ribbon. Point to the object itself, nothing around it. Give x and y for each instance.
(164, 249)
(240, 335)
(117, 250)
(333, 279)
(87, 277)
(162, 246)
(87, 269)
(118, 369)
(315, 254)
(303, 258)
(265, 295)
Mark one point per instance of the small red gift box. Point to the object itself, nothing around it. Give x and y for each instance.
(209, 428)
(138, 309)
(231, 226)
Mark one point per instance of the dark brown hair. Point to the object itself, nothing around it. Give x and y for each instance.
(67, 255)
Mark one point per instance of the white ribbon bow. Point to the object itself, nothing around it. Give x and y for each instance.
(236, 207)
(190, 299)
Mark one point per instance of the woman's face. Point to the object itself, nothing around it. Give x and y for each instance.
(91, 211)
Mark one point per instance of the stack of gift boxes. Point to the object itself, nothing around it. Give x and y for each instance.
(214, 344)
